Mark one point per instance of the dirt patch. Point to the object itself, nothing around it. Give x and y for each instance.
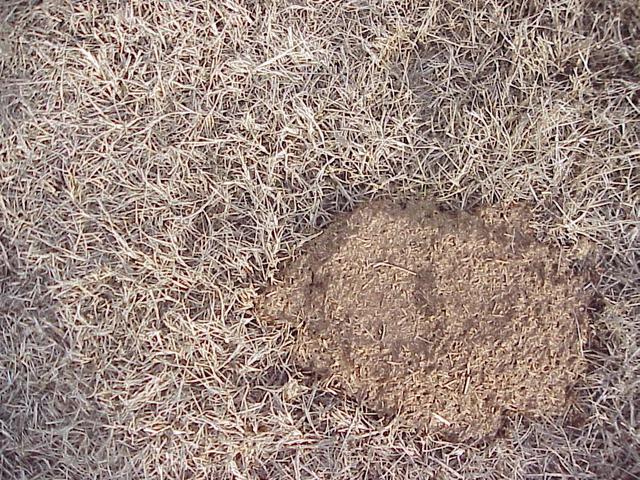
(449, 319)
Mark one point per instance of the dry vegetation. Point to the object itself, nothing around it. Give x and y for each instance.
(160, 160)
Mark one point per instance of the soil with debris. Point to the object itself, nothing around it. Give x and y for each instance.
(452, 320)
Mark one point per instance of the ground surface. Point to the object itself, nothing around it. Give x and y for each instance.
(450, 320)
(160, 161)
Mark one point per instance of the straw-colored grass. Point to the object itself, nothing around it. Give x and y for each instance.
(160, 160)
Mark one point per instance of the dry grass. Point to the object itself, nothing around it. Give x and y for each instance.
(159, 160)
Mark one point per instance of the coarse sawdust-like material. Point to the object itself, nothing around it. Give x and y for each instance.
(450, 318)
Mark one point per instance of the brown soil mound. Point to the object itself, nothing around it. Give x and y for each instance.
(448, 319)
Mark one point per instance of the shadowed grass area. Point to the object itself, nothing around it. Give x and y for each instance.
(160, 161)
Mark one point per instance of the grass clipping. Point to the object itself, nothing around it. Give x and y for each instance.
(449, 319)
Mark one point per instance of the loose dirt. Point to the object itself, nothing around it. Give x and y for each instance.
(451, 320)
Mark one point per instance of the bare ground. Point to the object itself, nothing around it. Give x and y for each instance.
(161, 161)
(449, 320)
